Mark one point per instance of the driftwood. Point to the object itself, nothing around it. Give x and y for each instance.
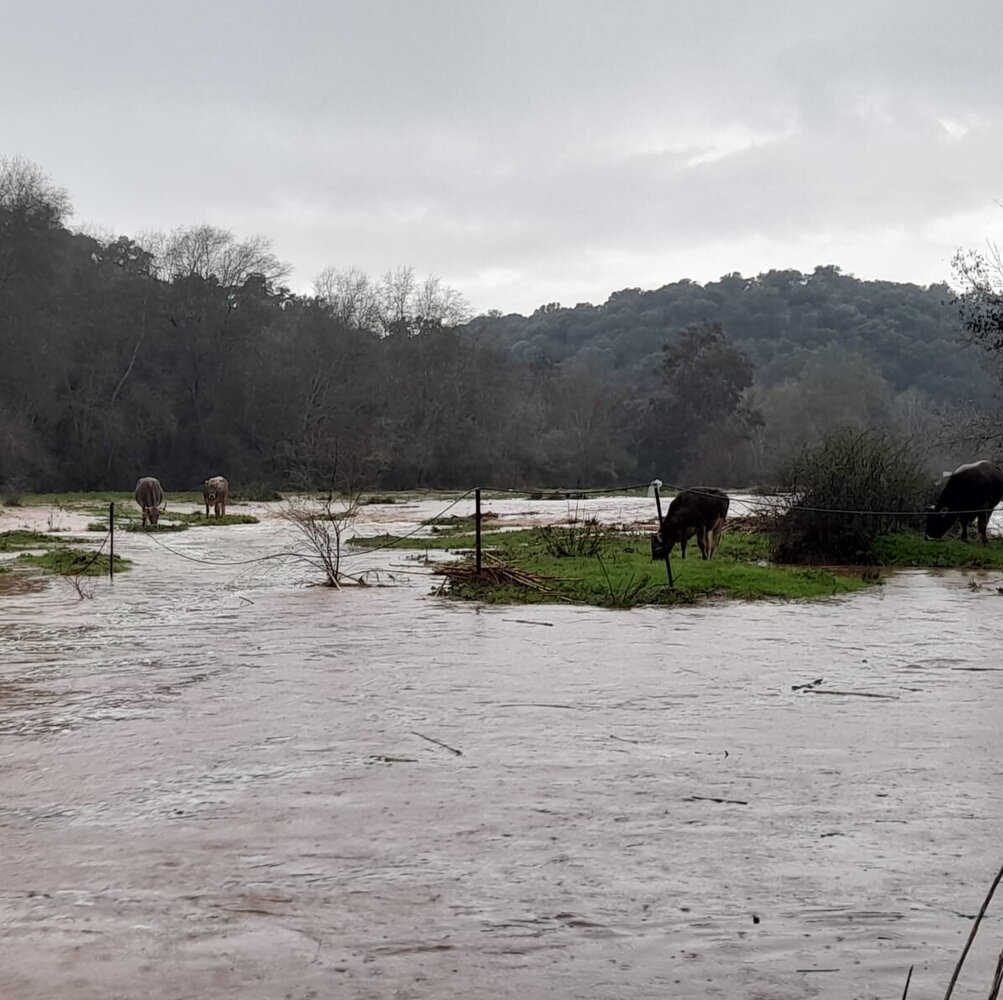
(851, 694)
(495, 572)
(438, 743)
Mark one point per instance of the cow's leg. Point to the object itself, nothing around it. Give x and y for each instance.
(983, 523)
(713, 537)
(704, 542)
(965, 521)
(682, 547)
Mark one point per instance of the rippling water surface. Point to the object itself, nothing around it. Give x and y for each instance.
(220, 782)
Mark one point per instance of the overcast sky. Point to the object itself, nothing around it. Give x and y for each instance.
(524, 152)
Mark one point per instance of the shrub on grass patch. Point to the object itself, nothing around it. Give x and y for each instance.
(585, 537)
(843, 492)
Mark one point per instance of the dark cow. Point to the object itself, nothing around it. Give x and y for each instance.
(214, 492)
(698, 511)
(150, 497)
(971, 492)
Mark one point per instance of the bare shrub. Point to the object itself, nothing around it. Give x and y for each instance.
(844, 491)
(322, 522)
(83, 586)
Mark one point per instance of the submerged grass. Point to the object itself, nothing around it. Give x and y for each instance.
(13, 541)
(70, 562)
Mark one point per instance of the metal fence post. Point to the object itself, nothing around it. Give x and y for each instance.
(477, 529)
(668, 564)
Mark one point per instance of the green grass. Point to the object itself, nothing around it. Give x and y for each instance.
(171, 521)
(446, 540)
(624, 575)
(913, 550)
(12, 541)
(69, 562)
(57, 556)
(199, 520)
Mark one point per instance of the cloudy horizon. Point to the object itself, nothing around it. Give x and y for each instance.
(524, 153)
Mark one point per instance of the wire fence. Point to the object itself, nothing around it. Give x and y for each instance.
(774, 504)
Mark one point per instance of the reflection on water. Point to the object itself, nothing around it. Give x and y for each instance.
(220, 781)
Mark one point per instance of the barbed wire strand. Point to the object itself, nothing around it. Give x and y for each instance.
(777, 503)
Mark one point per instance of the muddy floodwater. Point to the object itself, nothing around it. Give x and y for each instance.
(219, 781)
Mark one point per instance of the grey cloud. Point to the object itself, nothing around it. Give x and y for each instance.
(529, 149)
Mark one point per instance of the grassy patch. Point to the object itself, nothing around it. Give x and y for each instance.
(623, 574)
(201, 521)
(70, 562)
(172, 521)
(446, 540)
(457, 524)
(162, 527)
(12, 541)
(904, 549)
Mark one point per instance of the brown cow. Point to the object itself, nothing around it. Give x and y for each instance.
(214, 492)
(698, 511)
(150, 497)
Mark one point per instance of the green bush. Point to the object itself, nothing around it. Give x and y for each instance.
(843, 492)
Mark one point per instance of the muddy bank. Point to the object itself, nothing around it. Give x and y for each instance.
(222, 783)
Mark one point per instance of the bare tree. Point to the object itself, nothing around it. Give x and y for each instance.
(214, 255)
(350, 297)
(322, 522)
(26, 190)
(400, 303)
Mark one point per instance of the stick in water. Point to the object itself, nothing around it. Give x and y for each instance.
(439, 743)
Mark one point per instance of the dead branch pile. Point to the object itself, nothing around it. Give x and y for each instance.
(494, 573)
(751, 524)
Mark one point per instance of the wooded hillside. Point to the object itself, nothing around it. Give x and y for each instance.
(184, 356)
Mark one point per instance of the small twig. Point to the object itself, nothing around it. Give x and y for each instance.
(526, 621)
(852, 694)
(439, 743)
(971, 936)
(805, 687)
(711, 798)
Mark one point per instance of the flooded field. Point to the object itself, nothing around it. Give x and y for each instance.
(221, 782)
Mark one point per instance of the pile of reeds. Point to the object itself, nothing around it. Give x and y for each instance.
(493, 572)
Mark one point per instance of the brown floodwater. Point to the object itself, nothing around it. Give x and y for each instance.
(221, 782)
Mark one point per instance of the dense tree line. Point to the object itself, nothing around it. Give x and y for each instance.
(183, 355)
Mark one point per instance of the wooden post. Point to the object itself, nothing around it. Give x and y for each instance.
(111, 540)
(477, 529)
(668, 564)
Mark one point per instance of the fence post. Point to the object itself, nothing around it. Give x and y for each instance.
(477, 529)
(111, 540)
(668, 564)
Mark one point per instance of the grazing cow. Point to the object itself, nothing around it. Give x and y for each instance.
(214, 492)
(971, 492)
(699, 511)
(150, 497)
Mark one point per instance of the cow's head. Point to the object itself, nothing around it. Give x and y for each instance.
(938, 520)
(658, 547)
(209, 491)
(152, 513)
